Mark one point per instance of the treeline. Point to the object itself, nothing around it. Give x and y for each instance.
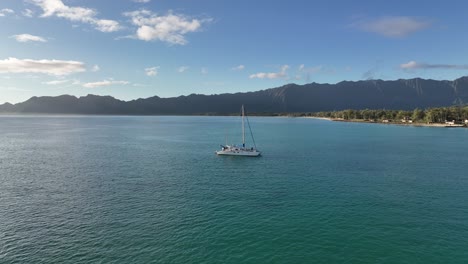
(430, 115)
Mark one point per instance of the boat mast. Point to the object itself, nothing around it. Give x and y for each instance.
(226, 133)
(243, 128)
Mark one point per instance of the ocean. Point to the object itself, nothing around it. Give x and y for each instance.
(127, 189)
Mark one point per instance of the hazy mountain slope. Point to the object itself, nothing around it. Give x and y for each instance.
(372, 94)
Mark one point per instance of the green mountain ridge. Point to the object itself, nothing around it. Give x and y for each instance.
(405, 94)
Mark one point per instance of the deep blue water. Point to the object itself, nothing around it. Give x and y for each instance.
(151, 189)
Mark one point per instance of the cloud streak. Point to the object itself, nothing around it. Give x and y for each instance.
(182, 69)
(76, 14)
(50, 67)
(56, 82)
(152, 71)
(95, 68)
(271, 75)
(307, 72)
(238, 68)
(170, 28)
(27, 13)
(6, 11)
(413, 65)
(393, 26)
(28, 38)
(104, 83)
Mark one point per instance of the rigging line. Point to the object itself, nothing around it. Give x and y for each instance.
(251, 134)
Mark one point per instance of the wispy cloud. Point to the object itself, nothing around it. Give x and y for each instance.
(152, 71)
(374, 72)
(310, 70)
(28, 38)
(140, 85)
(271, 75)
(27, 13)
(141, 1)
(204, 71)
(51, 67)
(170, 28)
(393, 26)
(370, 74)
(56, 82)
(238, 68)
(95, 68)
(76, 14)
(5, 12)
(412, 65)
(182, 69)
(304, 72)
(104, 83)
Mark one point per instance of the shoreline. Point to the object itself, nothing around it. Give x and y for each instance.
(440, 125)
(389, 123)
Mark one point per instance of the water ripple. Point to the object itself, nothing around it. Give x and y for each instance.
(150, 189)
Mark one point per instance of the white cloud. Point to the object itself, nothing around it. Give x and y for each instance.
(170, 28)
(5, 12)
(204, 71)
(104, 83)
(271, 75)
(141, 1)
(182, 69)
(311, 70)
(139, 85)
(95, 68)
(152, 71)
(56, 82)
(393, 26)
(28, 13)
(76, 14)
(412, 65)
(238, 68)
(105, 25)
(302, 70)
(28, 38)
(51, 67)
(409, 65)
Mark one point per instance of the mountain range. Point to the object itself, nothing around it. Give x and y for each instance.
(404, 94)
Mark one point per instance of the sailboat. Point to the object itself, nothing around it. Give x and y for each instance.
(234, 150)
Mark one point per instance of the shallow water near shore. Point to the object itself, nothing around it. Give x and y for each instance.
(150, 189)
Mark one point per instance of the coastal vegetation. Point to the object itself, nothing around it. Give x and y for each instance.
(438, 115)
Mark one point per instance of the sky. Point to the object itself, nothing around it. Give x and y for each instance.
(133, 49)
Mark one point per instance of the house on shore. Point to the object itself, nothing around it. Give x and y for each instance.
(407, 120)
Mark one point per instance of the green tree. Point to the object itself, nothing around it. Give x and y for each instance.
(418, 115)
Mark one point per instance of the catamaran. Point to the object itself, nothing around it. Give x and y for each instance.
(234, 150)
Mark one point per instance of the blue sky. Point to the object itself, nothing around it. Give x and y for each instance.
(140, 48)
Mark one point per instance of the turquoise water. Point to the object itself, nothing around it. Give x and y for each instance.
(151, 189)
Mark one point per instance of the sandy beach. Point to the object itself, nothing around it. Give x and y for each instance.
(390, 123)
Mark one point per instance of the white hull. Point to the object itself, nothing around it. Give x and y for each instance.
(234, 150)
(239, 153)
